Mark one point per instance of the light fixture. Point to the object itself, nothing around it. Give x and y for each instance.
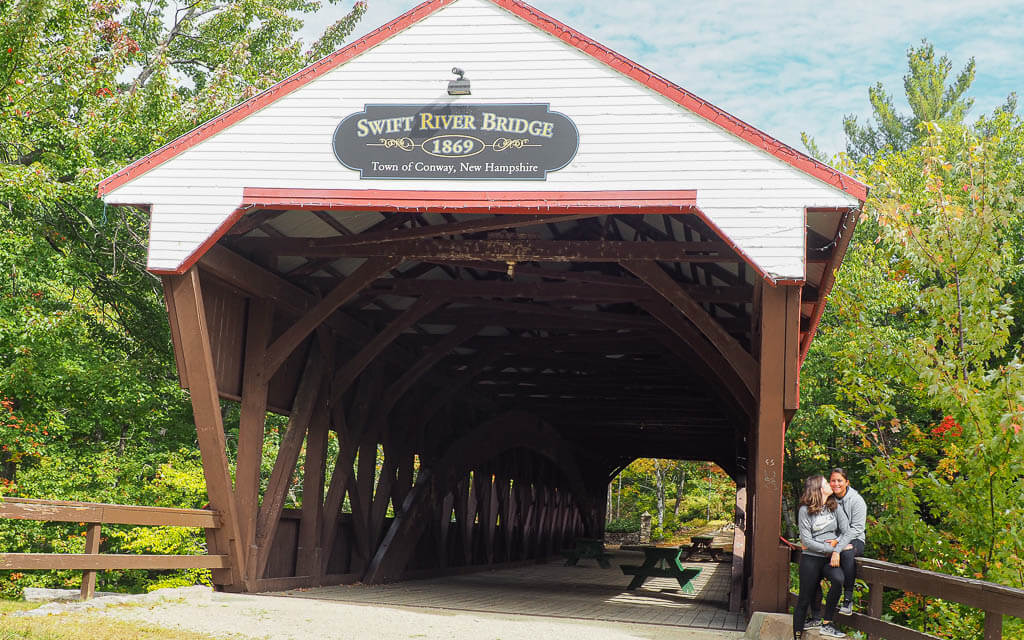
(460, 86)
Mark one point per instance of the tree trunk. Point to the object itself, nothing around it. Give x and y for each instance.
(679, 490)
(659, 479)
(608, 513)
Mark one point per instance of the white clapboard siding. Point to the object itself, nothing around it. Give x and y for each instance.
(631, 138)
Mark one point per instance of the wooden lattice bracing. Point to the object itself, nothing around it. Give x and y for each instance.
(477, 378)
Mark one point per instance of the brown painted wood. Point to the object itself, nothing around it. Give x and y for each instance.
(305, 582)
(491, 223)
(308, 559)
(172, 319)
(485, 442)
(739, 544)
(993, 626)
(269, 515)
(252, 220)
(337, 487)
(99, 513)
(517, 249)
(92, 546)
(287, 342)
(692, 348)
(739, 359)
(191, 316)
(509, 289)
(351, 369)
(252, 417)
(765, 479)
(108, 562)
(876, 628)
(791, 385)
(973, 593)
(876, 591)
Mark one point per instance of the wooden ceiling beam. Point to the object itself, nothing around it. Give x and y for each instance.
(584, 291)
(516, 249)
(490, 223)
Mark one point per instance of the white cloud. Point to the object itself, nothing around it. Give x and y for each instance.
(787, 67)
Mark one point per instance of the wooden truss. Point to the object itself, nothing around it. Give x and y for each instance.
(460, 390)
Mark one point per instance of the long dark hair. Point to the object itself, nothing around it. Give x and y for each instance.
(812, 499)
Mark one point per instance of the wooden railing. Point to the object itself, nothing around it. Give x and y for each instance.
(993, 599)
(93, 515)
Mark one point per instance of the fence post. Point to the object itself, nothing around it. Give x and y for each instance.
(875, 605)
(993, 626)
(92, 545)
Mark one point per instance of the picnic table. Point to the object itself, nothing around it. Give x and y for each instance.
(702, 544)
(661, 562)
(587, 548)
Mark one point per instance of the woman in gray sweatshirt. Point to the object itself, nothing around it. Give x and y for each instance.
(821, 526)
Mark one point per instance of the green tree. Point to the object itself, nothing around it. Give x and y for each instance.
(932, 98)
(90, 407)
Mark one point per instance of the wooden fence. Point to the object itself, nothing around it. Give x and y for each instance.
(995, 600)
(93, 515)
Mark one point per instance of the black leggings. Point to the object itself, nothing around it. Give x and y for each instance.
(812, 568)
(849, 566)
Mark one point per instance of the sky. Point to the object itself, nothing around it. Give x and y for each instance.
(786, 66)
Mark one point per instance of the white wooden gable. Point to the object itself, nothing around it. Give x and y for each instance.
(631, 137)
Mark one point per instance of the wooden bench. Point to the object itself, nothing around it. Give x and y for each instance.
(587, 548)
(661, 562)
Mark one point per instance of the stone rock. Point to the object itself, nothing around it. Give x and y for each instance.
(769, 626)
(39, 594)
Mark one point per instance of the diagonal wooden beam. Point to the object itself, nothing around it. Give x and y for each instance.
(252, 418)
(288, 455)
(369, 271)
(742, 362)
(714, 364)
(198, 358)
(348, 373)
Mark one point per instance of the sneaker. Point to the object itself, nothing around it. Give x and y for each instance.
(847, 608)
(828, 631)
(813, 623)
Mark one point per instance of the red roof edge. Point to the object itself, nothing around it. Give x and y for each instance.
(264, 98)
(682, 97)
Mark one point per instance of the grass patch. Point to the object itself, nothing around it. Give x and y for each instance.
(66, 627)
(10, 606)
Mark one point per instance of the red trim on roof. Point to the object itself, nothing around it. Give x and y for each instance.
(274, 93)
(686, 99)
(509, 202)
(542, 21)
(201, 250)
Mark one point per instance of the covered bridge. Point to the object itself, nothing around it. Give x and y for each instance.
(496, 291)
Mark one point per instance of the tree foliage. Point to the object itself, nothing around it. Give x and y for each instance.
(915, 379)
(90, 407)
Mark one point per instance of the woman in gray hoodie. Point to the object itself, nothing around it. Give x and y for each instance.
(821, 522)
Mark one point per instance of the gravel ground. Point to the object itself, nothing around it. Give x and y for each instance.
(269, 617)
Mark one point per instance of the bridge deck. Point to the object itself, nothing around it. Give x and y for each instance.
(584, 591)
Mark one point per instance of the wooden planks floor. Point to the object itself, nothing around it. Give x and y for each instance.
(584, 592)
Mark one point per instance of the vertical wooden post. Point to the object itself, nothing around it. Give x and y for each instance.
(770, 563)
(739, 545)
(308, 561)
(195, 338)
(875, 604)
(92, 545)
(993, 626)
(252, 419)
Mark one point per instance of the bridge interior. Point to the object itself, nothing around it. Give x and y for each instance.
(486, 371)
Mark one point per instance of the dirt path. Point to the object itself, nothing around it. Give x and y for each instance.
(279, 618)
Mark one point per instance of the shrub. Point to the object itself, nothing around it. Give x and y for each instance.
(623, 525)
